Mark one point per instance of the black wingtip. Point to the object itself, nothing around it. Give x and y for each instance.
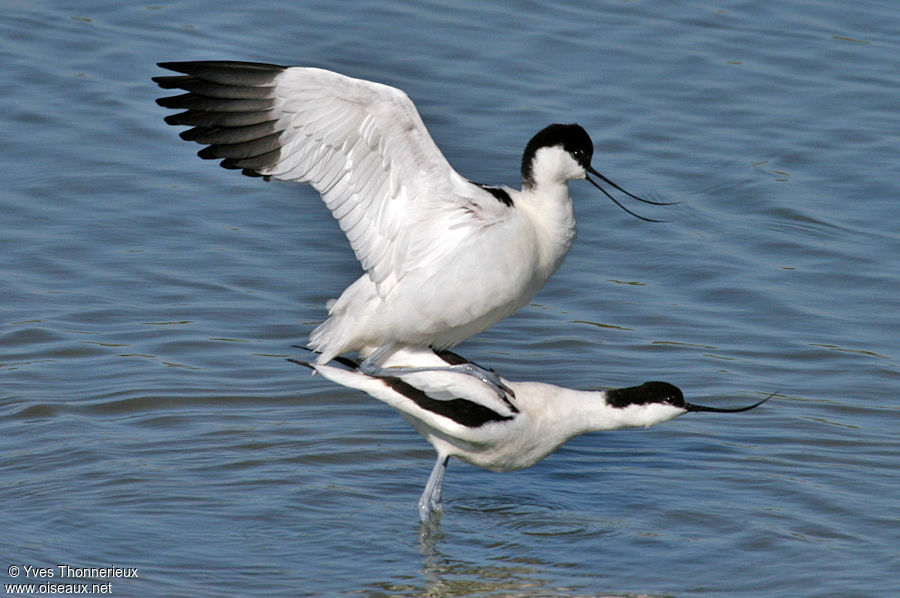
(169, 81)
(346, 361)
(219, 68)
(186, 66)
(305, 364)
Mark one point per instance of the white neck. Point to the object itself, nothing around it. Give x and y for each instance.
(546, 202)
(548, 207)
(574, 412)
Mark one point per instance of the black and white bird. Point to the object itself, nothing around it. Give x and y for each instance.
(444, 258)
(464, 418)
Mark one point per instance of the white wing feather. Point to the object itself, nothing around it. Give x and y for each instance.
(364, 148)
(361, 145)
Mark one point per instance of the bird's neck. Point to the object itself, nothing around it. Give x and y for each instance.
(548, 207)
(565, 413)
(571, 412)
(588, 411)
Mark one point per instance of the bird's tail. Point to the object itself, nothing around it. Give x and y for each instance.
(349, 319)
(321, 340)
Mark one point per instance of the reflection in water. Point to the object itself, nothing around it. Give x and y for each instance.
(445, 575)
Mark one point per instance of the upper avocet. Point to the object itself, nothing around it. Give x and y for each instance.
(463, 418)
(444, 258)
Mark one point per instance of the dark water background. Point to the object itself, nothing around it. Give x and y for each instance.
(148, 299)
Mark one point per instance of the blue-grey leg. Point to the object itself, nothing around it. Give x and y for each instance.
(430, 500)
(369, 367)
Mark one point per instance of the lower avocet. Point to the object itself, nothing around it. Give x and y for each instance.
(464, 418)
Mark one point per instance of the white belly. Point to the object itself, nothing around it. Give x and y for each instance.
(481, 282)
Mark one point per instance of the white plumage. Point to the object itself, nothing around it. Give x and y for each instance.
(444, 258)
(464, 418)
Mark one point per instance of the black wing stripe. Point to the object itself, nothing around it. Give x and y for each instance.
(452, 358)
(462, 411)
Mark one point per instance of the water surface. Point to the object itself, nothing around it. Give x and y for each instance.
(148, 417)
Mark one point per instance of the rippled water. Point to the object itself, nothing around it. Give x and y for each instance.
(148, 418)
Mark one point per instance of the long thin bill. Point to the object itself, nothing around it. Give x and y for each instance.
(615, 201)
(691, 407)
(614, 186)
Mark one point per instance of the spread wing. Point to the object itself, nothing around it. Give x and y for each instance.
(361, 145)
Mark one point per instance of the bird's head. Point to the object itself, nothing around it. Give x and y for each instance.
(652, 403)
(559, 153)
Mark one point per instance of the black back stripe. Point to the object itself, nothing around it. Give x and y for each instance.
(499, 193)
(462, 411)
(455, 359)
